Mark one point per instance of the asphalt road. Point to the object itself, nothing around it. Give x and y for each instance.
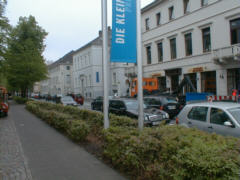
(50, 155)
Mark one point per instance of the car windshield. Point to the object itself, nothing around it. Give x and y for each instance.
(170, 100)
(133, 105)
(152, 101)
(67, 99)
(235, 112)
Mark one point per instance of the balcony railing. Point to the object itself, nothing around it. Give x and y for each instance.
(227, 54)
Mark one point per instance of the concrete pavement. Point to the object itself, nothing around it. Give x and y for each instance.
(31, 149)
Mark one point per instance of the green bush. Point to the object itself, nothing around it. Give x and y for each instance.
(75, 128)
(78, 130)
(164, 152)
(171, 152)
(20, 100)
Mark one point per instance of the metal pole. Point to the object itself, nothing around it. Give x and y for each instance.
(105, 62)
(139, 64)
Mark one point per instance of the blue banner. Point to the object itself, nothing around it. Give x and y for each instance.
(124, 33)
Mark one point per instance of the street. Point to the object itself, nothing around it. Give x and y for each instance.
(31, 149)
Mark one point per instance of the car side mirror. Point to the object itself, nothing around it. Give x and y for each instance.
(228, 124)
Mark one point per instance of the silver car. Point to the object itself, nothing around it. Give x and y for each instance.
(68, 101)
(219, 117)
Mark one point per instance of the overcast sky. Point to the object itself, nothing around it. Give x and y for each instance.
(70, 23)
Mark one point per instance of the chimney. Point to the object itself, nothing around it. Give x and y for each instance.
(100, 33)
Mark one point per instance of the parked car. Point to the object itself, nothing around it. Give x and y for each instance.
(129, 107)
(97, 103)
(68, 101)
(168, 104)
(219, 117)
(78, 98)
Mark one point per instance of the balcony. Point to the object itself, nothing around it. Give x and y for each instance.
(227, 54)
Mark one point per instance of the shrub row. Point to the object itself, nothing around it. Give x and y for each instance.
(93, 118)
(165, 152)
(76, 129)
(172, 152)
(20, 100)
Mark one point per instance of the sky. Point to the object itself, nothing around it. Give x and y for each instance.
(70, 23)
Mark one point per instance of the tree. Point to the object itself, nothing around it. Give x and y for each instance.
(4, 30)
(24, 61)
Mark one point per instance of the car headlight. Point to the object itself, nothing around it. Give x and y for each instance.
(146, 118)
(167, 116)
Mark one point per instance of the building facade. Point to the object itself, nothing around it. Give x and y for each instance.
(195, 38)
(59, 80)
(88, 71)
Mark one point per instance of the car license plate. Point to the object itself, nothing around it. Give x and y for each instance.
(156, 123)
(171, 107)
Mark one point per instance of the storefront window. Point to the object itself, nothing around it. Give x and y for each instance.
(208, 82)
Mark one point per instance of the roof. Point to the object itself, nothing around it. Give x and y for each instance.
(224, 105)
(65, 59)
(97, 41)
(151, 5)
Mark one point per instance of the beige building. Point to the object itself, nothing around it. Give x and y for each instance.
(195, 38)
(60, 77)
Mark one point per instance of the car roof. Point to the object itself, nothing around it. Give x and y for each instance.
(123, 99)
(159, 96)
(224, 105)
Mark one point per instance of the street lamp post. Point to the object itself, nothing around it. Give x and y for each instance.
(105, 62)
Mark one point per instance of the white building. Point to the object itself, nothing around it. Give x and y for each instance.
(88, 71)
(60, 77)
(198, 38)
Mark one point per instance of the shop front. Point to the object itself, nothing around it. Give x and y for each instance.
(208, 82)
(174, 77)
(233, 80)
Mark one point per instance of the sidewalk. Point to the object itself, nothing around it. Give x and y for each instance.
(13, 164)
(49, 154)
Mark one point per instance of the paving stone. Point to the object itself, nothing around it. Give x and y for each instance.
(13, 165)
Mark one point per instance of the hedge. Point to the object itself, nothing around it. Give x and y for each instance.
(172, 152)
(76, 129)
(164, 152)
(20, 100)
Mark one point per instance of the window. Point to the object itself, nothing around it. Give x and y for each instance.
(90, 80)
(160, 51)
(206, 38)
(188, 44)
(173, 48)
(97, 77)
(67, 67)
(68, 79)
(186, 6)
(158, 18)
(149, 58)
(218, 116)
(235, 31)
(116, 104)
(171, 13)
(114, 78)
(204, 2)
(198, 113)
(147, 24)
